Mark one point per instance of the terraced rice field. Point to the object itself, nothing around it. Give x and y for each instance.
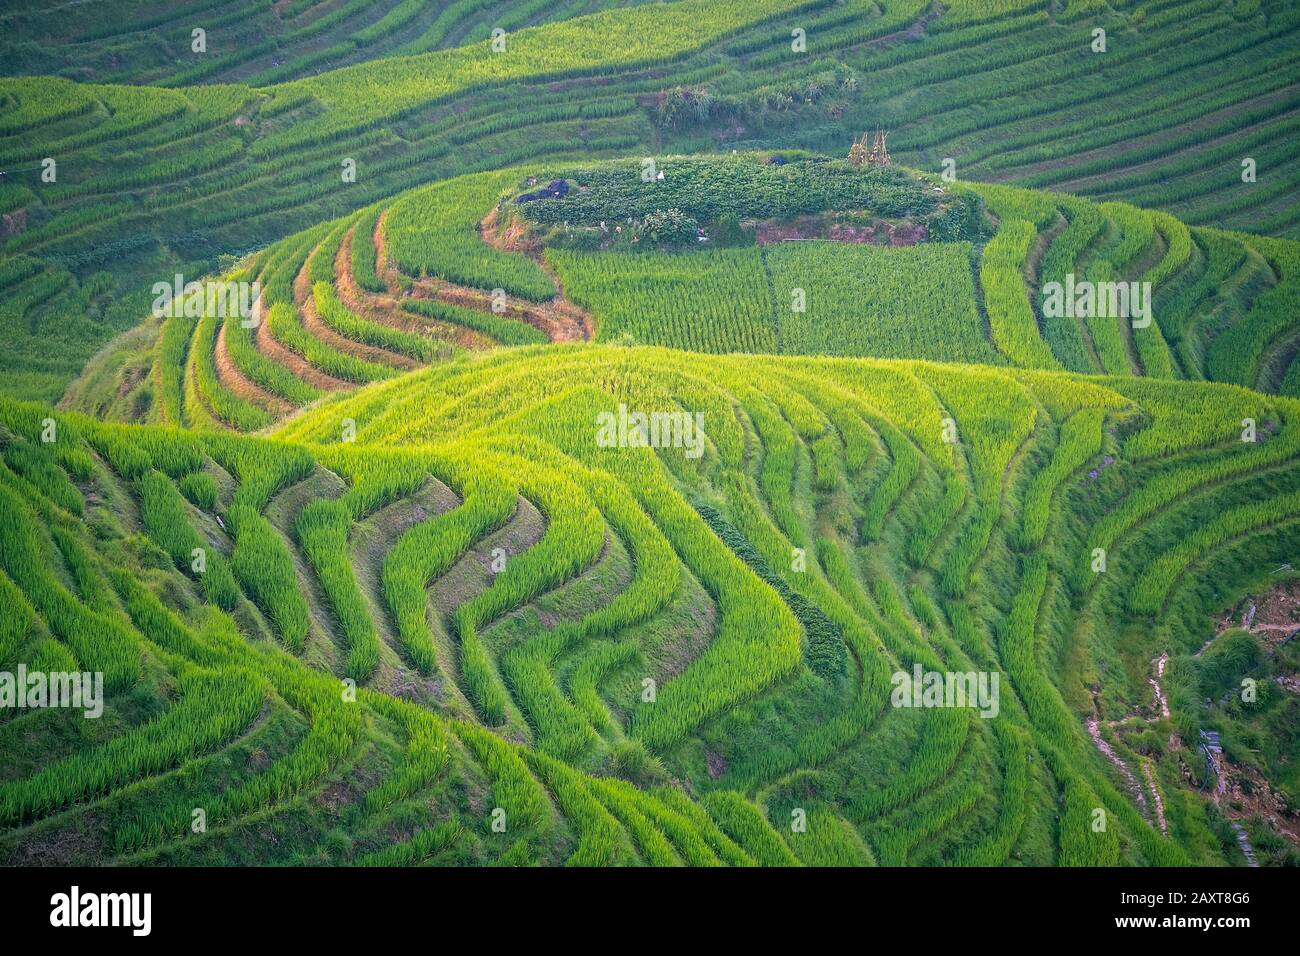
(410, 283)
(229, 158)
(524, 681)
(603, 465)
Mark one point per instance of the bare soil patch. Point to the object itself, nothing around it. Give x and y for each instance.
(387, 310)
(560, 319)
(313, 323)
(878, 232)
(295, 363)
(1273, 616)
(229, 375)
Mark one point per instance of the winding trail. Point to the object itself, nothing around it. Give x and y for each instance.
(1215, 755)
(1094, 731)
(1161, 701)
(1156, 801)
(1155, 808)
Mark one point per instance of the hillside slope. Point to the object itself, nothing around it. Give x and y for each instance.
(725, 612)
(153, 181)
(250, 41)
(462, 266)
